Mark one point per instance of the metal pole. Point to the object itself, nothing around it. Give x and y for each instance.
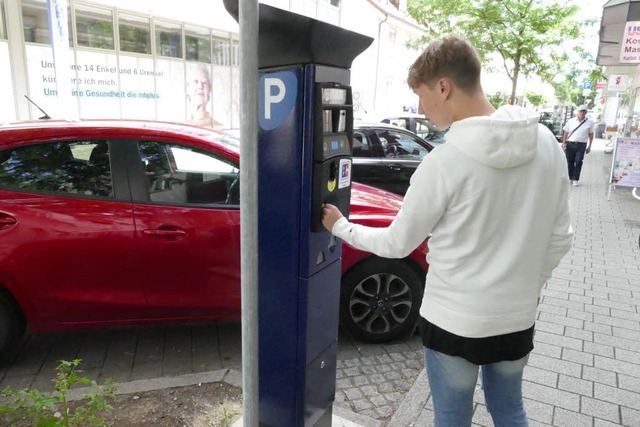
(248, 20)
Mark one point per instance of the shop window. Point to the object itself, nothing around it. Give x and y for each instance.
(197, 43)
(94, 27)
(35, 19)
(221, 51)
(3, 25)
(168, 40)
(135, 33)
(235, 49)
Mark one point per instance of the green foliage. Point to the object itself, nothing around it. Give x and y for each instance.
(30, 407)
(227, 416)
(498, 99)
(527, 36)
(535, 98)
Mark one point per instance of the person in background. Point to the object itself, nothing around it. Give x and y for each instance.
(497, 210)
(577, 136)
(198, 96)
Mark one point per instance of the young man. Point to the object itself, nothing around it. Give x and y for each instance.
(577, 136)
(494, 198)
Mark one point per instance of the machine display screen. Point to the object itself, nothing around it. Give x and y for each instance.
(335, 145)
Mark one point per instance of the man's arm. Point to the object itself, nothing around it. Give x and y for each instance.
(423, 205)
(564, 139)
(590, 141)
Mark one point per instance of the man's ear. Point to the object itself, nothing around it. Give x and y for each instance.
(445, 87)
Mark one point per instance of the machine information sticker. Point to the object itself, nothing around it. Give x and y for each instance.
(345, 173)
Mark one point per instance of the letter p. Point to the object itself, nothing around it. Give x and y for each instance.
(270, 98)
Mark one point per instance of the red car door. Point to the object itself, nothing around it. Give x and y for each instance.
(187, 218)
(68, 248)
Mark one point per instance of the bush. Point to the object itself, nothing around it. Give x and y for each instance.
(30, 407)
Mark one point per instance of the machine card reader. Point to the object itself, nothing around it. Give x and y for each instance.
(333, 133)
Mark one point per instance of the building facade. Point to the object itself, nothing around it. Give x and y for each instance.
(145, 59)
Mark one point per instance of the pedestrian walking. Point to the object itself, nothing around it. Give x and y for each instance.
(577, 136)
(494, 200)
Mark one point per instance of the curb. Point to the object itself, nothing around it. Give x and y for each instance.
(413, 403)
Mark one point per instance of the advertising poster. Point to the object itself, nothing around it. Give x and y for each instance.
(625, 169)
(139, 84)
(105, 85)
(7, 107)
(97, 85)
(170, 90)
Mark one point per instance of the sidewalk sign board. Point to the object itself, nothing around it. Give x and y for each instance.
(625, 166)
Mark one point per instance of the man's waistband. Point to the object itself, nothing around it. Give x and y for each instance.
(577, 142)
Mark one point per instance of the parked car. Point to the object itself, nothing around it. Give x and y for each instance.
(108, 223)
(418, 124)
(552, 122)
(385, 156)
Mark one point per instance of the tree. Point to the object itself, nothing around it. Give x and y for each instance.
(580, 67)
(524, 34)
(498, 99)
(535, 98)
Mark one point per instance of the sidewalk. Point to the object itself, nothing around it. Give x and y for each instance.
(585, 368)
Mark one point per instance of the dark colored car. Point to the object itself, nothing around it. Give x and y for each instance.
(385, 156)
(553, 123)
(418, 124)
(107, 223)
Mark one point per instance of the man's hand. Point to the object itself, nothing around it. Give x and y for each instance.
(564, 145)
(330, 215)
(588, 148)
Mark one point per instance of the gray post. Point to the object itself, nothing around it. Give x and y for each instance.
(248, 21)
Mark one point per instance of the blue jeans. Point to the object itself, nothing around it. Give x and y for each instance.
(453, 380)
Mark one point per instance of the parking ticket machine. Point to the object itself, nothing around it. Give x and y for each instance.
(304, 160)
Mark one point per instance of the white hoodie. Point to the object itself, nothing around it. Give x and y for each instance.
(494, 197)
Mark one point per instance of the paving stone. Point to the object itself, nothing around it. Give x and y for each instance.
(352, 372)
(599, 349)
(558, 340)
(354, 394)
(361, 404)
(555, 365)
(369, 390)
(576, 385)
(564, 418)
(580, 334)
(617, 396)
(538, 411)
(630, 417)
(378, 400)
(552, 396)
(600, 409)
(541, 376)
(581, 357)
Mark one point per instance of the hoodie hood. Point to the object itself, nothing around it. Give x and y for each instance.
(505, 139)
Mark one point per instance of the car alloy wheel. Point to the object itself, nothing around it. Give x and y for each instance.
(380, 300)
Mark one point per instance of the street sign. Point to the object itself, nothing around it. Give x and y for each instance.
(586, 85)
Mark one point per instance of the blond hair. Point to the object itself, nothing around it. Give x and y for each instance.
(452, 57)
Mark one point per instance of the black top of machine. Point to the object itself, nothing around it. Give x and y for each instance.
(287, 38)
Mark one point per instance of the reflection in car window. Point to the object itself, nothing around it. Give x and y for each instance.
(402, 146)
(80, 168)
(178, 174)
(361, 146)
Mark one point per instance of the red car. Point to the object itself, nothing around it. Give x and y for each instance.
(108, 223)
